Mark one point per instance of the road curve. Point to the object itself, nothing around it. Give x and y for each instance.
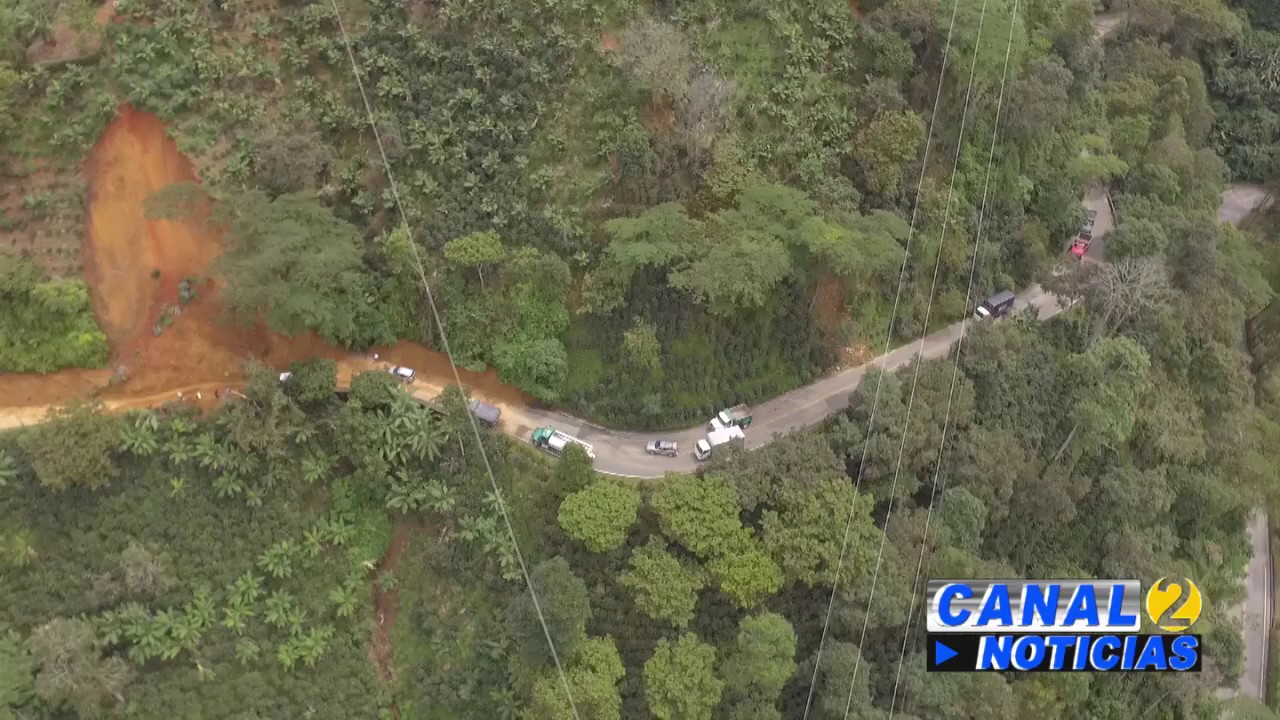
(622, 453)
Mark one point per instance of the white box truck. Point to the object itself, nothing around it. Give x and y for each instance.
(703, 448)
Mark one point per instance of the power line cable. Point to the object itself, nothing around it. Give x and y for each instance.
(955, 371)
(444, 341)
(915, 380)
(888, 340)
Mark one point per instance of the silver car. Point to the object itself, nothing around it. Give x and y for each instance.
(662, 447)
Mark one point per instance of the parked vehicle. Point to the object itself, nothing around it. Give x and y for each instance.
(1086, 231)
(703, 448)
(403, 374)
(284, 376)
(1080, 246)
(485, 413)
(554, 441)
(736, 416)
(662, 447)
(995, 306)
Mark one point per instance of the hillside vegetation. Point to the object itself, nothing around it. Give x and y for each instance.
(632, 210)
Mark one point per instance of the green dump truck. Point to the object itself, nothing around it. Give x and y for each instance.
(554, 441)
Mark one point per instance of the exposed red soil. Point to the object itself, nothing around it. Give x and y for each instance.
(609, 42)
(434, 374)
(828, 303)
(106, 12)
(134, 265)
(198, 352)
(386, 603)
(830, 313)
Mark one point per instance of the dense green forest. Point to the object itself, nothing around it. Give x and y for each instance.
(638, 211)
(591, 201)
(618, 159)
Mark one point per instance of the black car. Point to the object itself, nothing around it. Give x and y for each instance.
(662, 447)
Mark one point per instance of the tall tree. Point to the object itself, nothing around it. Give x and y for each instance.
(566, 608)
(601, 515)
(592, 674)
(665, 588)
(886, 146)
(680, 682)
(659, 56)
(573, 473)
(744, 572)
(74, 447)
(699, 513)
(759, 666)
(73, 673)
(292, 261)
(477, 250)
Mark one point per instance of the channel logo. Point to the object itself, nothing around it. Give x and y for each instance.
(1062, 626)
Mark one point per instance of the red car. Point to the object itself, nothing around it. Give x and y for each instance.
(1080, 246)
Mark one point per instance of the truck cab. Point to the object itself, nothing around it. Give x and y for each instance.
(703, 449)
(555, 442)
(736, 416)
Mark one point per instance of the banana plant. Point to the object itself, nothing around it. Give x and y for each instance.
(313, 541)
(247, 651)
(344, 601)
(279, 608)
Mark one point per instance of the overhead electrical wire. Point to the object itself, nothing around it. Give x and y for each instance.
(955, 370)
(915, 379)
(888, 341)
(453, 366)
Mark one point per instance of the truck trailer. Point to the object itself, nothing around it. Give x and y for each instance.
(554, 441)
(703, 448)
(736, 416)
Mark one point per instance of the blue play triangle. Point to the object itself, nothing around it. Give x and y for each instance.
(942, 653)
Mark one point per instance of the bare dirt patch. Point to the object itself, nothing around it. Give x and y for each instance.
(609, 42)
(105, 13)
(657, 116)
(830, 313)
(73, 38)
(386, 603)
(856, 355)
(134, 266)
(828, 304)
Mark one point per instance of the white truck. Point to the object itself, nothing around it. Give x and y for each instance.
(714, 439)
(554, 441)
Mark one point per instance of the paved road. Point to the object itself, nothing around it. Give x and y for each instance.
(1255, 613)
(622, 453)
(1240, 201)
(1103, 224)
